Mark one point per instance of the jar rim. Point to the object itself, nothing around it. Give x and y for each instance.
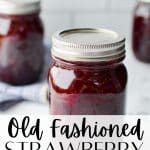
(88, 44)
(19, 7)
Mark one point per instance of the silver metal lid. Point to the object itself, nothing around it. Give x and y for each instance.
(88, 44)
(19, 7)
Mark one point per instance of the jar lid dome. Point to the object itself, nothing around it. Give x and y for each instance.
(88, 44)
(19, 7)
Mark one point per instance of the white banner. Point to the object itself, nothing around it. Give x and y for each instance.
(75, 133)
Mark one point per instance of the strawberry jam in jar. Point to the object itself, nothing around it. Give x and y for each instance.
(141, 31)
(87, 76)
(21, 41)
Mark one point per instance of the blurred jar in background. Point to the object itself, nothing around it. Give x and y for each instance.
(141, 31)
(21, 41)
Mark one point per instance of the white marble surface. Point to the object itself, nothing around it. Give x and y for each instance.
(138, 93)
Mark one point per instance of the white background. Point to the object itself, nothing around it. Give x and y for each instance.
(113, 14)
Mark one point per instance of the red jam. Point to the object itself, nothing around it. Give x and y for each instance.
(141, 32)
(21, 48)
(87, 89)
(87, 76)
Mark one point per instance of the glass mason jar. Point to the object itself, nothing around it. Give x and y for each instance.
(141, 31)
(87, 76)
(21, 41)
